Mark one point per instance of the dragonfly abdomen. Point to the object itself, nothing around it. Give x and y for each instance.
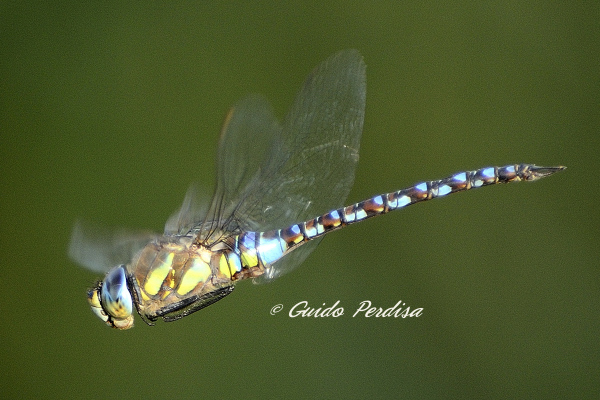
(428, 190)
(268, 247)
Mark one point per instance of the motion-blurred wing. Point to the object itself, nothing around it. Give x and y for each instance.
(99, 249)
(248, 135)
(193, 210)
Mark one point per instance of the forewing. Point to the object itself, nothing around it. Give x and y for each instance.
(321, 138)
(193, 209)
(99, 249)
(249, 132)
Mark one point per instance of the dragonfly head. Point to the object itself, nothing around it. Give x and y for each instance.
(111, 300)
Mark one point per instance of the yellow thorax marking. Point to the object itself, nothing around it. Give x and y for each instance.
(198, 272)
(161, 268)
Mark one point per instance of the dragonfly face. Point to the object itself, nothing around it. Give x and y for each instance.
(280, 188)
(111, 300)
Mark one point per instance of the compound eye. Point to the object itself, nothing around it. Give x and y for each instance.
(116, 299)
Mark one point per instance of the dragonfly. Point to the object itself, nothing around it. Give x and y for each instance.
(281, 186)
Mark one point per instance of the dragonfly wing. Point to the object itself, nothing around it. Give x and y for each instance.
(311, 166)
(99, 249)
(193, 209)
(321, 139)
(247, 137)
(288, 263)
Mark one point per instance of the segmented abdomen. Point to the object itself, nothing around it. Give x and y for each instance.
(267, 247)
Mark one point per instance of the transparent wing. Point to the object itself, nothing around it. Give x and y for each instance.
(301, 170)
(99, 249)
(323, 131)
(247, 137)
(193, 209)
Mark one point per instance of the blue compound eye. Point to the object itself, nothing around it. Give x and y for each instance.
(116, 299)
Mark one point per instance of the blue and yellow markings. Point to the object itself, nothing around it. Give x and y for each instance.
(247, 247)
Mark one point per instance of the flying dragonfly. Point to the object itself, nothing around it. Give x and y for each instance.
(280, 188)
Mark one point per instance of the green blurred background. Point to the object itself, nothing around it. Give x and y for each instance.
(109, 112)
